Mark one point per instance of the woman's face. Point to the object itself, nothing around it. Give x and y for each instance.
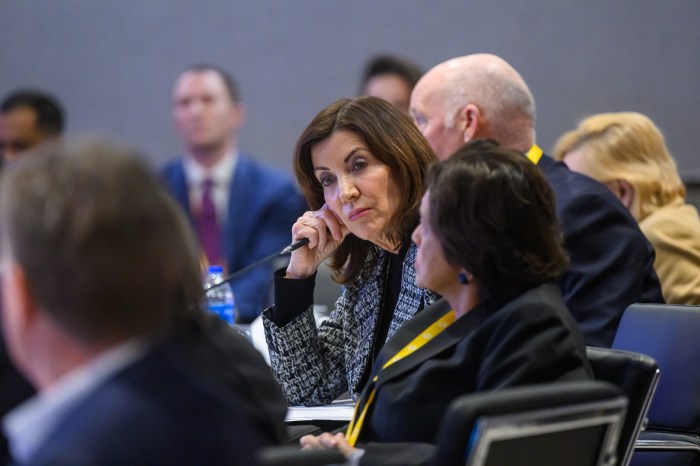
(432, 269)
(357, 187)
(390, 87)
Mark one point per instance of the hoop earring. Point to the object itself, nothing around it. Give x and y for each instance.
(462, 277)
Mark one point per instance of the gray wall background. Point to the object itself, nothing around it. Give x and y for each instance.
(112, 63)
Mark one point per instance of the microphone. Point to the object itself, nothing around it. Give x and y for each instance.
(265, 260)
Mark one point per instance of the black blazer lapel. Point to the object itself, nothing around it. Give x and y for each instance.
(446, 339)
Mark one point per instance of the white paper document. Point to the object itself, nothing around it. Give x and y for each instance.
(337, 411)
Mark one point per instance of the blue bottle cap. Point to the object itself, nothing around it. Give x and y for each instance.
(216, 269)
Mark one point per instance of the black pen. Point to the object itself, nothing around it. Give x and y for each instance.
(294, 246)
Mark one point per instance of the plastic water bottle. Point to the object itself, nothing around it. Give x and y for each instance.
(220, 300)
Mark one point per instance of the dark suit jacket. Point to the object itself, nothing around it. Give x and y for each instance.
(533, 339)
(612, 263)
(228, 360)
(263, 205)
(215, 351)
(155, 411)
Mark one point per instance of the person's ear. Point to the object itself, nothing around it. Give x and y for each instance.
(471, 120)
(26, 302)
(624, 191)
(238, 115)
(464, 277)
(19, 305)
(22, 322)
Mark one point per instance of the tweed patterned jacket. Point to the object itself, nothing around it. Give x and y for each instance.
(316, 366)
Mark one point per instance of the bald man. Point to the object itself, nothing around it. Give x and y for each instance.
(482, 96)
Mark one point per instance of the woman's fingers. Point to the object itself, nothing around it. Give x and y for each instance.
(333, 223)
(324, 232)
(343, 445)
(316, 226)
(328, 440)
(318, 442)
(310, 442)
(307, 227)
(305, 261)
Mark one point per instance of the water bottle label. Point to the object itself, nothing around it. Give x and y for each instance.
(223, 310)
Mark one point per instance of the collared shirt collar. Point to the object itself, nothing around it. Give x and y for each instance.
(222, 176)
(29, 425)
(221, 173)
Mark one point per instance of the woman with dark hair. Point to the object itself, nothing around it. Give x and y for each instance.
(489, 243)
(361, 164)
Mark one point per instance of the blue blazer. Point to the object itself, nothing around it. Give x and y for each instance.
(611, 260)
(155, 411)
(263, 205)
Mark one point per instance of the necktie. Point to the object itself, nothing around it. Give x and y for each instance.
(207, 226)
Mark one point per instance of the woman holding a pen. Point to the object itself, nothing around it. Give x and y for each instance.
(490, 244)
(361, 164)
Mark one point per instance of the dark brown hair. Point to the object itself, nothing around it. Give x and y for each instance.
(106, 251)
(394, 140)
(230, 83)
(49, 113)
(494, 214)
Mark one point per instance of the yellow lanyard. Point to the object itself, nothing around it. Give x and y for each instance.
(534, 154)
(428, 334)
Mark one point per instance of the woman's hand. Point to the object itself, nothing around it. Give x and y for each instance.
(327, 441)
(325, 233)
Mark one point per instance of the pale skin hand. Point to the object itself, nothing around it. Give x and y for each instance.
(325, 233)
(327, 441)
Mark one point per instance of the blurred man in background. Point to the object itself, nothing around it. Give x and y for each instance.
(390, 78)
(27, 119)
(241, 210)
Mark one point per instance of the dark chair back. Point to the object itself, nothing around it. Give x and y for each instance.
(291, 455)
(671, 335)
(572, 423)
(636, 375)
